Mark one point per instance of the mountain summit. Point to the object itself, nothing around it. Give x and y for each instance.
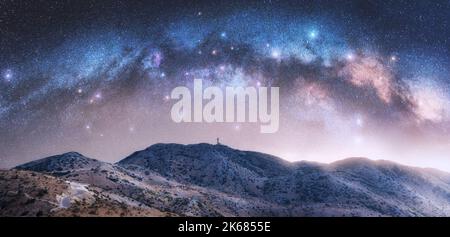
(66, 162)
(212, 166)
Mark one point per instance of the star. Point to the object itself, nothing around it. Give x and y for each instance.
(276, 54)
(8, 75)
(350, 56)
(313, 34)
(359, 122)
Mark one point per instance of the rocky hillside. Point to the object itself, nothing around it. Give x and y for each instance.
(25, 193)
(211, 166)
(216, 180)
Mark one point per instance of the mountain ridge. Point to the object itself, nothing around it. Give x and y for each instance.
(217, 180)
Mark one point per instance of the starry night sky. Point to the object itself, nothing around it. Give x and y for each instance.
(356, 78)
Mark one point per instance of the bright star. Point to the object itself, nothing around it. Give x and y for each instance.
(350, 56)
(276, 54)
(313, 34)
(8, 75)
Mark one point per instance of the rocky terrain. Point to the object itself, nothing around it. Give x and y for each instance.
(25, 193)
(216, 180)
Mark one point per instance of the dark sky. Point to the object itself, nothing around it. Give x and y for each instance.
(42, 24)
(356, 78)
